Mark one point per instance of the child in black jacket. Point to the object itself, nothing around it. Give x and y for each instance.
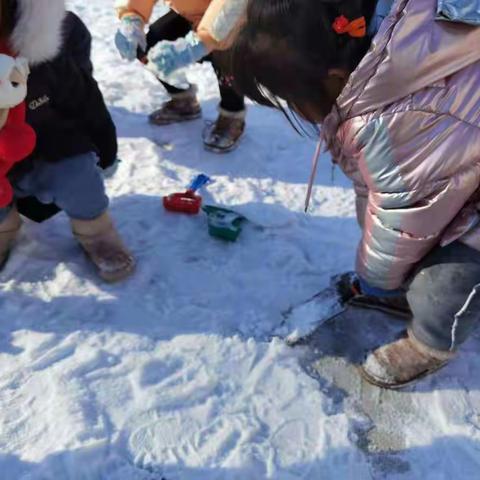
(75, 138)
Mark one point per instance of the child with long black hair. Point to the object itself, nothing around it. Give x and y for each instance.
(397, 91)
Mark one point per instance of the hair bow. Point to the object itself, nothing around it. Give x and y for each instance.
(356, 28)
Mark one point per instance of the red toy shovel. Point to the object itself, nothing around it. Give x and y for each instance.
(187, 202)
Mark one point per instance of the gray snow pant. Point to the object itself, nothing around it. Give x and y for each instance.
(74, 184)
(444, 295)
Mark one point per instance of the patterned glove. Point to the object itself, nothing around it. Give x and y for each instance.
(167, 57)
(130, 37)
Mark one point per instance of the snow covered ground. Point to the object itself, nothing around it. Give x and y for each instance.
(175, 374)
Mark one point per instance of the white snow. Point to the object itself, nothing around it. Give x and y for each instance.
(175, 374)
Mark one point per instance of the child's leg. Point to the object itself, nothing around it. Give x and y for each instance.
(76, 185)
(225, 133)
(230, 100)
(183, 105)
(10, 224)
(445, 297)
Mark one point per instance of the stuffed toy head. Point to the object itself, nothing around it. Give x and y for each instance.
(13, 81)
(17, 139)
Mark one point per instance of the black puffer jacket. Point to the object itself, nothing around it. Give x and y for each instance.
(65, 105)
(66, 109)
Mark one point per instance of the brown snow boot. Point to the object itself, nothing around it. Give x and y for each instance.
(104, 247)
(182, 107)
(402, 362)
(9, 229)
(224, 135)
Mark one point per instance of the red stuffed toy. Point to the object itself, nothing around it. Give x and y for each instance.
(17, 138)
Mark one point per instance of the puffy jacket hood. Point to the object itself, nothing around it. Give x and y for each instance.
(37, 34)
(410, 51)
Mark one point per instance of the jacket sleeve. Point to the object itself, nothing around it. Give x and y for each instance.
(143, 8)
(418, 179)
(221, 22)
(98, 123)
(79, 94)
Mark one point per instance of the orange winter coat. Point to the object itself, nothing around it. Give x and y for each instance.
(215, 21)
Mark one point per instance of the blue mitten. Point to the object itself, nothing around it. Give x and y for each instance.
(130, 37)
(367, 289)
(166, 57)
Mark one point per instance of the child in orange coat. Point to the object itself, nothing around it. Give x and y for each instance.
(185, 35)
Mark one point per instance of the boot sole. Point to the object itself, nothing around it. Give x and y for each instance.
(364, 304)
(219, 151)
(213, 149)
(117, 276)
(186, 118)
(114, 277)
(396, 386)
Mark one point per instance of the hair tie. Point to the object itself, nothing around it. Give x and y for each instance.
(356, 28)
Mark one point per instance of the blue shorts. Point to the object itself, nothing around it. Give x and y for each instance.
(74, 184)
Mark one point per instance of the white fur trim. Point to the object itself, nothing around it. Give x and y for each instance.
(190, 92)
(240, 115)
(37, 35)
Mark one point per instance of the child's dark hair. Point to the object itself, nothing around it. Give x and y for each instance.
(8, 11)
(288, 49)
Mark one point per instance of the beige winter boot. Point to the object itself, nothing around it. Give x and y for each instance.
(224, 135)
(104, 247)
(402, 362)
(182, 107)
(9, 229)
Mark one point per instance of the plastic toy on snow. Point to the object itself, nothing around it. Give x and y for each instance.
(223, 223)
(187, 202)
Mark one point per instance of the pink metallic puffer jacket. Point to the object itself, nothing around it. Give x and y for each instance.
(406, 129)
